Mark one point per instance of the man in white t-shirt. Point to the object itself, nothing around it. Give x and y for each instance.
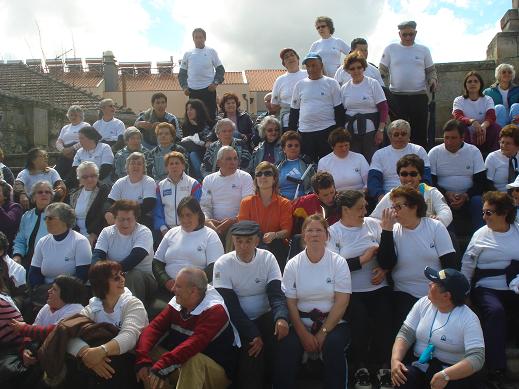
(410, 72)
(316, 108)
(201, 72)
(249, 279)
(359, 44)
(109, 127)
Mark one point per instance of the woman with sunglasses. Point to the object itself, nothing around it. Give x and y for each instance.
(271, 211)
(269, 149)
(513, 190)
(328, 47)
(490, 264)
(505, 94)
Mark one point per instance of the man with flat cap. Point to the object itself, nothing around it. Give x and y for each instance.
(249, 280)
(409, 70)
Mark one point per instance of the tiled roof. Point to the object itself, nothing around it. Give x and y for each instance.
(151, 82)
(234, 78)
(262, 80)
(85, 80)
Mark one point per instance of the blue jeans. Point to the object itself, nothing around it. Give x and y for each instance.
(196, 164)
(503, 116)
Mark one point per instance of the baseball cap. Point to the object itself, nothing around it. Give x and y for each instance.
(452, 281)
(312, 55)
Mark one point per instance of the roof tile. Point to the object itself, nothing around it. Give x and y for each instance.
(262, 80)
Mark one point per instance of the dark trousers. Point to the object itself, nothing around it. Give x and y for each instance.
(315, 144)
(208, 97)
(364, 144)
(414, 109)
(494, 307)
(290, 352)
(256, 372)
(417, 379)
(491, 140)
(64, 166)
(280, 251)
(401, 303)
(471, 209)
(369, 316)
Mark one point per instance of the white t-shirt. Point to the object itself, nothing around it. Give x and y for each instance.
(453, 333)
(70, 134)
(56, 258)
(407, 66)
(110, 130)
(348, 173)
(342, 76)
(46, 317)
(179, 249)
(316, 100)
(123, 189)
(101, 155)
(489, 249)
(330, 50)
(416, 249)
(351, 242)
(248, 280)
(385, 159)
(283, 89)
(314, 284)
(29, 179)
(118, 246)
(473, 109)
(497, 169)
(222, 195)
(200, 65)
(455, 171)
(362, 98)
(504, 96)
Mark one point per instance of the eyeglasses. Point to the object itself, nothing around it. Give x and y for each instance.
(321, 26)
(408, 34)
(398, 207)
(87, 176)
(398, 134)
(117, 277)
(49, 218)
(266, 173)
(412, 174)
(488, 212)
(43, 192)
(292, 145)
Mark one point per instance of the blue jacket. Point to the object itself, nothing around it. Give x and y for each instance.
(259, 153)
(513, 94)
(21, 242)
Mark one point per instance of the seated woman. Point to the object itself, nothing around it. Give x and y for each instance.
(513, 190)
(37, 169)
(136, 186)
(230, 109)
(476, 111)
(88, 200)
(61, 251)
(32, 226)
(503, 165)
(14, 274)
(166, 134)
(356, 239)
(109, 127)
(317, 285)
(196, 129)
(269, 149)
(446, 337)
(271, 211)
(505, 94)
(490, 263)
(94, 151)
(349, 169)
(295, 169)
(133, 141)
(130, 244)
(10, 212)
(5, 173)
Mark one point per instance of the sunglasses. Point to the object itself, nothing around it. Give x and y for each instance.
(487, 212)
(117, 277)
(266, 173)
(408, 34)
(412, 174)
(398, 207)
(398, 134)
(44, 192)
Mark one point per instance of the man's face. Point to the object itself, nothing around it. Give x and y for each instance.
(314, 68)
(229, 162)
(452, 140)
(407, 36)
(245, 246)
(160, 105)
(199, 40)
(327, 196)
(363, 49)
(183, 291)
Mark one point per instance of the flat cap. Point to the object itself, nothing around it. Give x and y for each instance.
(407, 24)
(245, 228)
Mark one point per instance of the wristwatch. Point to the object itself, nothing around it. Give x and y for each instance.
(324, 330)
(104, 349)
(445, 375)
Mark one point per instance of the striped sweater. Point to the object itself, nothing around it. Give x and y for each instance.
(8, 312)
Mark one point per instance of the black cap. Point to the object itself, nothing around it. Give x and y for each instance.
(452, 281)
(407, 24)
(245, 228)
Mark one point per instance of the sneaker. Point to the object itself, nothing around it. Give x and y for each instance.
(361, 379)
(384, 378)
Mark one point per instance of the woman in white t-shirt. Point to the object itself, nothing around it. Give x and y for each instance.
(503, 165)
(366, 107)
(446, 337)
(317, 285)
(348, 168)
(476, 111)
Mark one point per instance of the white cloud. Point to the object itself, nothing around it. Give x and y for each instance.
(457, 3)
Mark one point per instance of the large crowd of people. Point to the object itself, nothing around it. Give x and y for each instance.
(215, 251)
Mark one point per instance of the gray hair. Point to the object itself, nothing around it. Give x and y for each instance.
(75, 109)
(400, 124)
(504, 66)
(195, 278)
(63, 212)
(267, 97)
(270, 119)
(223, 150)
(131, 131)
(39, 184)
(133, 157)
(84, 166)
(105, 102)
(221, 123)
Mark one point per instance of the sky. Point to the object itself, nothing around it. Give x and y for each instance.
(246, 34)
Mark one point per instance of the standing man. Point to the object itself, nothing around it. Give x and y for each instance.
(201, 72)
(361, 45)
(410, 72)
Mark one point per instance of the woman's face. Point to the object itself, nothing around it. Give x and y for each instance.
(491, 218)
(399, 138)
(41, 160)
(356, 71)
(188, 219)
(472, 85)
(435, 293)
(290, 60)
(265, 179)
(515, 195)
(508, 146)
(55, 226)
(125, 221)
(402, 211)
(271, 132)
(230, 106)
(505, 76)
(74, 117)
(357, 212)
(409, 176)
(86, 142)
(175, 168)
(341, 149)
(88, 178)
(136, 168)
(54, 297)
(323, 29)
(191, 112)
(225, 134)
(164, 137)
(315, 235)
(134, 142)
(42, 196)
(116, 284)
(292, 149)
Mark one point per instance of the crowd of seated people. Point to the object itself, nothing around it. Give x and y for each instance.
(209, 251)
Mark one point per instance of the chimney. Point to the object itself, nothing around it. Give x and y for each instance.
(110, 72)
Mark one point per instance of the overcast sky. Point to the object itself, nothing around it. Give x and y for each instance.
(247, 34)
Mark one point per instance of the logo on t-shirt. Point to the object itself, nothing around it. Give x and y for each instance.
(199, 248)
(468, 167)
(67, 259)
(443, 338)
(357, 170)
(328, 280)
(257, 280)
(167, 192)
(432, 245)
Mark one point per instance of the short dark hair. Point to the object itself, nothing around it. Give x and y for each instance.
(193, 205)
(412, 197)
(229, 96)
(411, 160)
(158, 95)
(348, 198)
(91, 133)
(321, 180)
(511, 131)
(72, 290)
(503, 203)
(339, 135)
(357, 41)
(99, 275)
(454, 125)
(481, 83)
(126, 205)
(289, 135)
(32, 154)
(198, 29)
